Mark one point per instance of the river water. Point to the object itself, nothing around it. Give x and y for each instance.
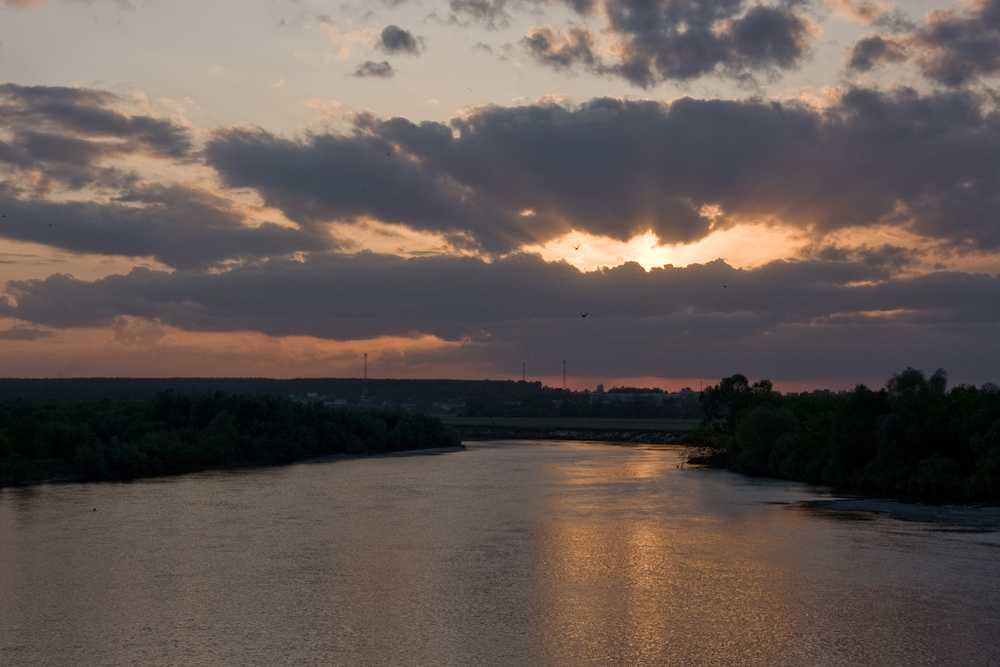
(513, 554)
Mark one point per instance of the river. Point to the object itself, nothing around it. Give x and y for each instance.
(508, 553)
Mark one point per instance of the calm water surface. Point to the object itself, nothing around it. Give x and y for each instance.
(548, 554)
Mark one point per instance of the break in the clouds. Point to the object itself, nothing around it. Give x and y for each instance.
(395, 40)
(843, 314)
(666, 40)
(952, 47)
(378, 70)
(503, 177)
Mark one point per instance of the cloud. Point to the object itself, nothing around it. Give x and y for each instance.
(55, 139)
(500, 178)
(491, 14)
(562, 51)
(785, 319)
(394, 40)
(664, 40)
(960, 46)
(86, 113)
(887, 256)
(328, 177)
(177, 226)
(863, 11)
(370, 68)
(954, 47)
(870, 51)
(21, 332)
(62, 137)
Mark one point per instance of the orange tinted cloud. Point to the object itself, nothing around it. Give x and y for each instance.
(136, 347)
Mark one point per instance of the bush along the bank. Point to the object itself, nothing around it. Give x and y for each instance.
(176, 433)
(914, 439)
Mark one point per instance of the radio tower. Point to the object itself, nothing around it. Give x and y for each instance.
(564, 373)
(522, 371)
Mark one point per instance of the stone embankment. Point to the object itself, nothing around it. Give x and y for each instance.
(483, 432)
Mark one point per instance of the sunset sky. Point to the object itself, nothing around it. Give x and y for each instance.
(806, 191)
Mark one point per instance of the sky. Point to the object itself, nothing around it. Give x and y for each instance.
(649, 192)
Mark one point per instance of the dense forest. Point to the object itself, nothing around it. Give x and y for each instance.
(914, 439)
(176, 432)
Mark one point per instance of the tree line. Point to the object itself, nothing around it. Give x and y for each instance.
(914, 439)
(573, 404)
(175, 433)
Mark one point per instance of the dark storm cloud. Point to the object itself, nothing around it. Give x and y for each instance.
(502, 177)
(952, 47)
(176, 226)
(667, 40)
(371, 68)
(394, 40)
(789, 318)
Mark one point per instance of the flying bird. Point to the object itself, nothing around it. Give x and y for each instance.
(576, 247)
(583, 314)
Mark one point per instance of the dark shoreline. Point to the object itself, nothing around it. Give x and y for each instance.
(82, 479)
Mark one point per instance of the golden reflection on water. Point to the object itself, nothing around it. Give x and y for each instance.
(657, 577)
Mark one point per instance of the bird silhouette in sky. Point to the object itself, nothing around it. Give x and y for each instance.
(583, 314)
(576, 247)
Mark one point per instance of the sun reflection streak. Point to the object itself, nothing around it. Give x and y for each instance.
(644, 566)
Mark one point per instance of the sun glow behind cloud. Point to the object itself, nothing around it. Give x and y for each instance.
(744, 246)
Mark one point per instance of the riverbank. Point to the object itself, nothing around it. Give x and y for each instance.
(960, 516)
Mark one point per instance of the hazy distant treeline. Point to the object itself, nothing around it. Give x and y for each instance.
(175, 433)
(913, 439)
(376, 390)
(567, 404)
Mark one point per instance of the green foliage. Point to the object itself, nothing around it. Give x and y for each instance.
(914, 439)
(175, 433)
(761, 432)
